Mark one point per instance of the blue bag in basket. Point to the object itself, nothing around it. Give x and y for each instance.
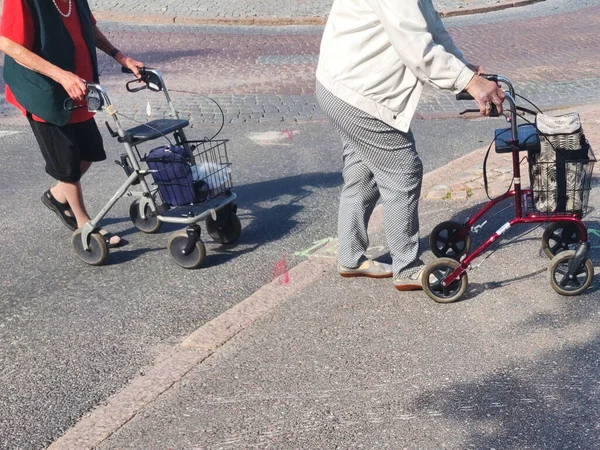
(172, 174)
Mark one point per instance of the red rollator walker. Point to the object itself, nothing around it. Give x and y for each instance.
(560, 162)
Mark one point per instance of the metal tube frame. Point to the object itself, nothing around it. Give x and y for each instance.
(147, 194)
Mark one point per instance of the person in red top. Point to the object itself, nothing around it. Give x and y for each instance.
(70, 149)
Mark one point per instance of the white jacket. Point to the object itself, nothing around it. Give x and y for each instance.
(376, 55)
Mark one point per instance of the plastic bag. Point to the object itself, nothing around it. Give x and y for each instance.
(213, 174)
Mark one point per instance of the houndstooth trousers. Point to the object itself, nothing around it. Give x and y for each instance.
(379, 162)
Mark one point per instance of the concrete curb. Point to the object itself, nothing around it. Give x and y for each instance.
(98, 425)
(487, 8)
(159, 19)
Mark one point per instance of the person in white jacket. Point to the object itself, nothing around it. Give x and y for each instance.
(375, 57)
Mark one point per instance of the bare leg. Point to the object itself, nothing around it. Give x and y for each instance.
(71, 193)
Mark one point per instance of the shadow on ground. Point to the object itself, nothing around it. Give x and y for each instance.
(494, 220)
(270, 210)
(548, 403)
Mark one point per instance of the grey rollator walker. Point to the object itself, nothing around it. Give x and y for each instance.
(188, 178)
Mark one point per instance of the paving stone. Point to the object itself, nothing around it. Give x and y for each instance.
(437, 194)
(459, 195)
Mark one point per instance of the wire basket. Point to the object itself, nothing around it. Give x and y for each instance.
(186, 177)
(211, 170)
(562, 186)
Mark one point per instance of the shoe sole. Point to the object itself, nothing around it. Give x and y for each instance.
(48, 204)
(365, 275)
(409, 287)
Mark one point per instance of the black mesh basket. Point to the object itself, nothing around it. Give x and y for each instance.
(562, 185)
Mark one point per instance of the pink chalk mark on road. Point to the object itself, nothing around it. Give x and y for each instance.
(289, 134)
(280, 271)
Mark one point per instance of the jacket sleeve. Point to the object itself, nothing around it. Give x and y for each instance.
(443, 38)
(409, 34)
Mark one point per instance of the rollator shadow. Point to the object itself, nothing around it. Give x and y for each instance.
(267, 212)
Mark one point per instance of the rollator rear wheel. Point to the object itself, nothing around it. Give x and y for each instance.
(434, 274)
(178, 242)
(560, 237)
(560, 281)
(149, 224)
(445, 242)
(98, 251)
(228, 232)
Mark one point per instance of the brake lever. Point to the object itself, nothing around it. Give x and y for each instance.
(69, 105)
(466, 111)
(140, 88)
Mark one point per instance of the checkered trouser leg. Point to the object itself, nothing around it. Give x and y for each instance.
(379, 161)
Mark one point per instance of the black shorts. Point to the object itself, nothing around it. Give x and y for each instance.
(65, 148)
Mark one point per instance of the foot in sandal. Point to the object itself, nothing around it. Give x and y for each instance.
(369, 269)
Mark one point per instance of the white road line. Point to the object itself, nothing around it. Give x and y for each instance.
(8, 133)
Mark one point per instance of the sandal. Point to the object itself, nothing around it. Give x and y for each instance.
(107, 235)
(369, 269)
(60, 209)
(413, 282)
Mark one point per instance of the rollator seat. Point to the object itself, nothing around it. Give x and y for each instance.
(153, 130)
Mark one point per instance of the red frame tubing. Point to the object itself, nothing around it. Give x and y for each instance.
(517, 193)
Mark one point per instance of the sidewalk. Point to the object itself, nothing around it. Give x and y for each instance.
(316, 361)
(267, 12)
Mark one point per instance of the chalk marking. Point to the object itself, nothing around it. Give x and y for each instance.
(281, 138)
(314, 247)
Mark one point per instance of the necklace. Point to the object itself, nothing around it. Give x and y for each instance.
(68, 14)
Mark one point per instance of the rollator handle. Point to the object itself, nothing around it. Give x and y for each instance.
(464, 95)
(142, 70)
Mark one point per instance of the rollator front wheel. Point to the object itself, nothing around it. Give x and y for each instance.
(446, 241)
(177, 245)
(227, 232)
(560, 237)
(97, 252)
(149, 224)
(559, 277)
(435, 273)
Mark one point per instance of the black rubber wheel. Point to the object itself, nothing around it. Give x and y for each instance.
(150, 224)
(176, 245)
(445, 243)
(226, 234)
(561, 283)
(560, 237)
(97, 253)
(434, 274)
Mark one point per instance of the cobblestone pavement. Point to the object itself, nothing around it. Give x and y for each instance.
(246, 8)
(267, 74)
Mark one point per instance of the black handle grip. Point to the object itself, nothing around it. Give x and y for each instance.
(464, 95)
(490, 77)
(142, 70)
